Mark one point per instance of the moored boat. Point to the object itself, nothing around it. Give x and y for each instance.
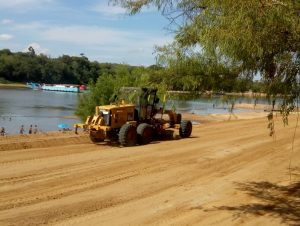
(61, 87)
(33, 85)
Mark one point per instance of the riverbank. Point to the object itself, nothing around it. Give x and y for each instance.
(249, 94)
(13, 86)
(59, 138)
(227, 173)
(209, 118)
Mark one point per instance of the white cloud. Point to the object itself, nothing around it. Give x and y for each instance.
(98, 42)
(105, 44)
(91, 35)
(138, 49)
(71, 27)
(23, 4)
(7, 21)
(37, 48)
(84, 35)
(34, 26)
(5, 37)
(108, 9)
(112, 11)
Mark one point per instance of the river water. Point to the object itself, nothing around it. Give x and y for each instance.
(27, 107)
(48, 109)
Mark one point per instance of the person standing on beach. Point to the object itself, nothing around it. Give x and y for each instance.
(22, 130)
(30, 129)
(2, 133)
(35, 130)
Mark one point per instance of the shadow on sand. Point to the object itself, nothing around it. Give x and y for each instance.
(168, 135)
(274, 200)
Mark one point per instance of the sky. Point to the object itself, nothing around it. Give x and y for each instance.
(96, 28)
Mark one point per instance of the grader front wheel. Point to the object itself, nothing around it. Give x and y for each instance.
(127, 135)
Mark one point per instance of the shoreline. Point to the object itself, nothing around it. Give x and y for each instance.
(211, 118)
(197, 119)
(207, 93)
(210, 93)
(13, 85)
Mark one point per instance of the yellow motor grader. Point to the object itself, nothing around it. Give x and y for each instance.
(134, 123)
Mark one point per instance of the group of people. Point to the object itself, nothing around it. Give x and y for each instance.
(30, 131)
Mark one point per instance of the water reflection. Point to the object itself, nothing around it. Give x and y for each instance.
(212, 105)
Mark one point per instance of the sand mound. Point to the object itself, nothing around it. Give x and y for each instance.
(50, 139)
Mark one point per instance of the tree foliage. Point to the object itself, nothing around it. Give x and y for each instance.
(107, 87)
(259, 36)
(188, 70)
(29, 67)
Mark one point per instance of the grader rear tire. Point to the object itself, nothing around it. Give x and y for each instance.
(145, 133)
(127, 135)
(185, 129)
(178, 119)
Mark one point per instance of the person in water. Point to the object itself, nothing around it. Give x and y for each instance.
(35, 130)
(2, 132)
(22, 130)
(30, 129)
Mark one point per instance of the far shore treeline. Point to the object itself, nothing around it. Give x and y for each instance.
(29, 67)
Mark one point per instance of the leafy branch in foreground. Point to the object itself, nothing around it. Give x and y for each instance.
(258, 36)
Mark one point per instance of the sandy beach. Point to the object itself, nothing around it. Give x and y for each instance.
(229, 172)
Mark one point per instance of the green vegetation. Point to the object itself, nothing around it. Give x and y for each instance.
(255, 36)
(29, 67)
(108, 85)
(236, 39)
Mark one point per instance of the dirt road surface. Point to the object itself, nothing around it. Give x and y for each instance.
(227, 173)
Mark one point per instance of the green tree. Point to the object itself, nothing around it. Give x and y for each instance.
(189, 70)
(106, 88)
(260, 36)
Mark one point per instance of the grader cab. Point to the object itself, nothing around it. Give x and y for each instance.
(134, 118)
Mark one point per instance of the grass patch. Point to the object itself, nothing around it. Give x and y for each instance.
(8, 84)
